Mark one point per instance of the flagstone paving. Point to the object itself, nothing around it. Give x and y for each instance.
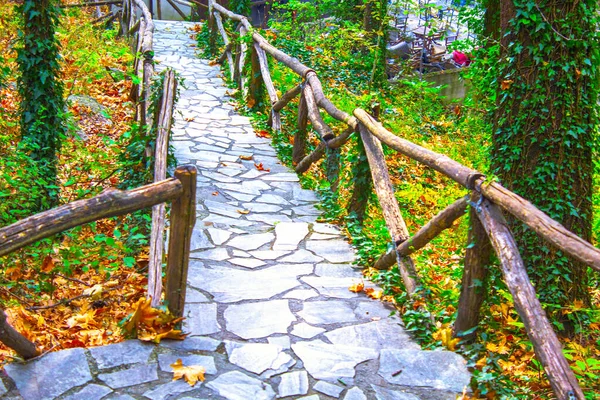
(268, 307)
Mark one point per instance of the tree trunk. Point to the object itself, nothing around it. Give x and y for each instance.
(544, 133)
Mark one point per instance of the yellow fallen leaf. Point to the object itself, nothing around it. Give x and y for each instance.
(243, 212)
(157, 337)
(357, 287)
(374, 294)
(94, 292)
(191, 374)
(247, 158)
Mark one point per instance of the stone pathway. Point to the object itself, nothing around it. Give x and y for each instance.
(268, 307)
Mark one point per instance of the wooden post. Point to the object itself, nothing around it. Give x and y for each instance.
(183, 218)
(158, 9)
(162, 126)
(332, 168)
(545, 343)
(314, 115)
(13, 339)
(389, 205)
(242, 78)
(212, 31)
(218, 21)
(274, 117)
(299, 149)
(473, 285)
(363, 185)
(255, 90)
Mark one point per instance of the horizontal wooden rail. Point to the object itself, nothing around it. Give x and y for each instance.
(110, 203)
(522, 209)
(98, 3)
(426, 234)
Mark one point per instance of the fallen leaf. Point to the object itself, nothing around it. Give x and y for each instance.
(357, 287)
(94, 292)
(215, 193)
(47, 264)
(374, 294)
(260, 167)
(243, 212)
(155, 337)
(188, 119)
(506, 84)
(250, 103)
(246, 158)
(263, 134)
(191, 374)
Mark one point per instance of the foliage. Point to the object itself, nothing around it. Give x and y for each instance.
(42, 103)
(545, 123)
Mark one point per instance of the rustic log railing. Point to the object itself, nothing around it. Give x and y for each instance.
(180, 190)
(488, 229)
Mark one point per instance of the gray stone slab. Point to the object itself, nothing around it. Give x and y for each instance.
(304, 195)
(226, 221)
(355, 394)
(256, 320)
(241, 196)
(3, 388)
(337, 270)
(262, 207)
(281, 341)
(434, 369)
(32, 378)
(328, 388)
(268, 254)
(217, 176)
(382, 393)
(377, 335)
(127, 352)
(272, 199)
(240, 253)
(230, 286)
(165, 360)
(306, 331)
(90, 392)
(218, 236)
(253, 173)
(200, 240)
(170, 390)
(301, 294)
(322, 236)
(251, 242)
(222, 209)
(247, 262)
(327, 312)
(306, 210)
(201, 319)
(270, 219)
(194, 343)
(282, 177)
(293, 384)
(374, 309)
(289, 234)
(331, 362)
(256, 357)
(334, 251)
(194, 296)
(117, 396)
(238, 386)
(327, 229)
(130, 376)
(302, 256)
(218, 254)
(332, 287)
(311, 397)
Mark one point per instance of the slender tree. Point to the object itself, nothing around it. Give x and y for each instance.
(42, 103)
(544, 131)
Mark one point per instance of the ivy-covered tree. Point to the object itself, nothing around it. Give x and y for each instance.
(41, 91)
(544, 132)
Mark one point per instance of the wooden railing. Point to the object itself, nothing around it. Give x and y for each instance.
(180, 190)
(487, 199)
